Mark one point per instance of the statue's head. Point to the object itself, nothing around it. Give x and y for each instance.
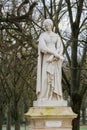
(48, 22)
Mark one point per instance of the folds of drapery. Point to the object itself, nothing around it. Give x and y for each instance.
(53, 66)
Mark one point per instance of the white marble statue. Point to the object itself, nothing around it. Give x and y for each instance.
(50, 59)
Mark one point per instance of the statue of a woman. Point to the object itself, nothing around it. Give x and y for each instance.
(50, 59)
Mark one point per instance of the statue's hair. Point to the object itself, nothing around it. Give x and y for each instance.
(47, 22)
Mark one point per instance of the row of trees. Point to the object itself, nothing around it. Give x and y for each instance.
(17, 62)
(20, 27)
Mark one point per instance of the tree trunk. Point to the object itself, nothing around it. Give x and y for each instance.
(1, 121)
(84, 116)
(76, 123)
(8, 119)
(17, 125)
(76, 102)
(17, 118)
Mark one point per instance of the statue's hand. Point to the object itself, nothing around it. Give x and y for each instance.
(50, 59)
(58, 56)
(55, 59)
(61, 57)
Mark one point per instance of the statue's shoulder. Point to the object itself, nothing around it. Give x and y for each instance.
(57, 35)
(54, 34)
(43, 34)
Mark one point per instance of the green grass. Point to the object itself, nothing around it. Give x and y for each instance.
(21, 128)
(83, 129)
(27, 127)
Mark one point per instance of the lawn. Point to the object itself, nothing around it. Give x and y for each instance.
(83, 127)
(23, 127)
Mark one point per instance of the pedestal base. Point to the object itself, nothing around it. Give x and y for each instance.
(50, 118)
(49, 103)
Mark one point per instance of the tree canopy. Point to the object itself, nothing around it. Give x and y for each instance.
(20, 26)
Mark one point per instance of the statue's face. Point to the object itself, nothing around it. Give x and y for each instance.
(48, 27)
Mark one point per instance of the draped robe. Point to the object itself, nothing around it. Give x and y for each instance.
(49, 67)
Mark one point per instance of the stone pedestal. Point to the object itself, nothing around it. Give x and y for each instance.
(50, 118)
(49, 103)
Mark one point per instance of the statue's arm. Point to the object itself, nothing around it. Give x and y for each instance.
(59, 48)
(43, 47)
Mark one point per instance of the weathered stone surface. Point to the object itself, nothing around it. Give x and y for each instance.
(50, 118)
(49, 103)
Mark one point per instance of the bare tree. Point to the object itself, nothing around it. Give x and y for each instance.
(22, 24)
(74, 39)
(18, 55)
